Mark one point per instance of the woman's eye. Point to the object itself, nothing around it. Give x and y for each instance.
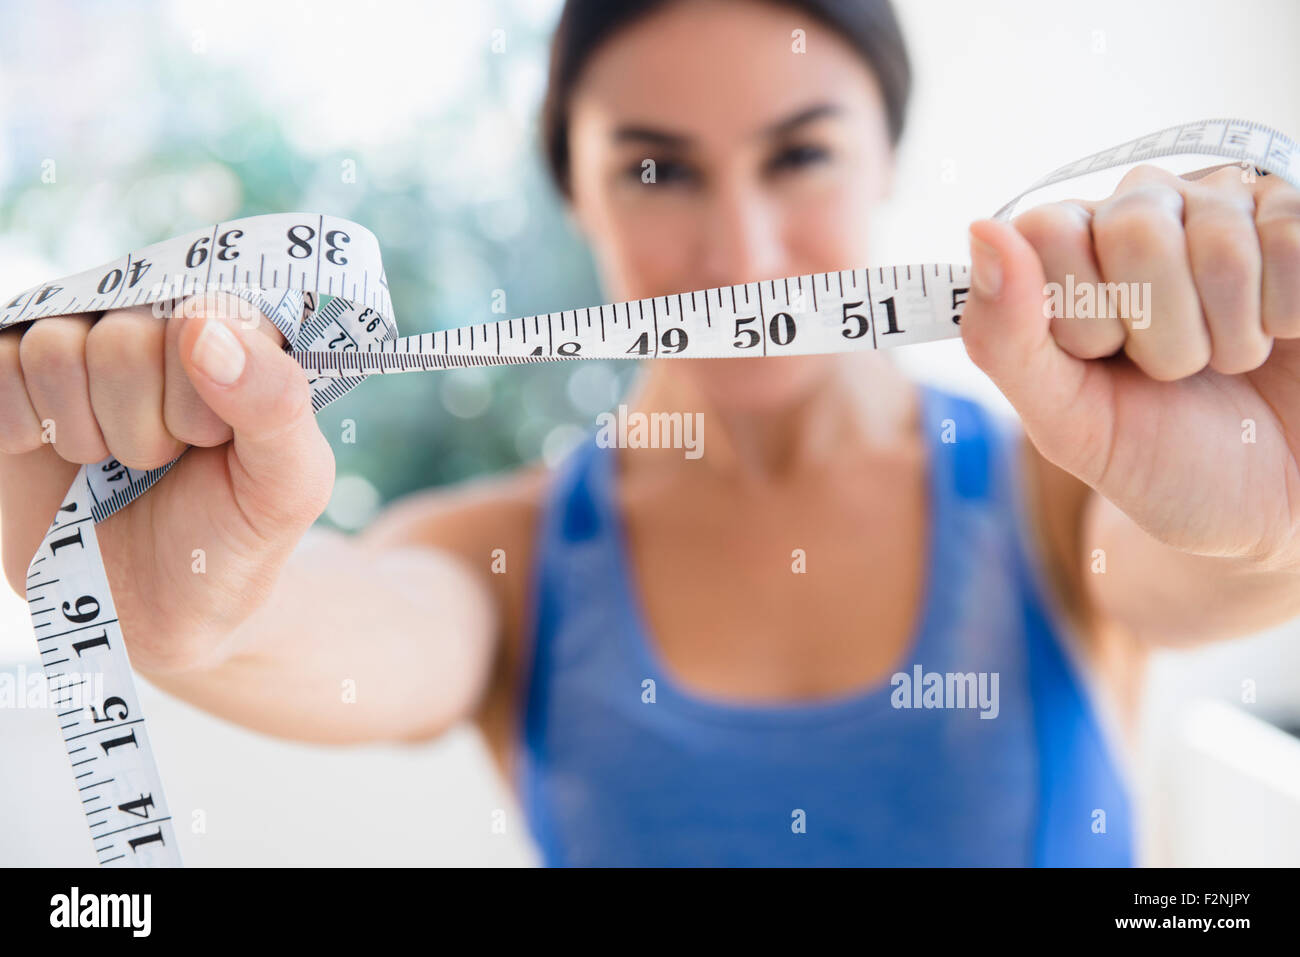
(796, 157)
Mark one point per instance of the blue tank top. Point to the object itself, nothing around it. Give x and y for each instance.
(611, 774)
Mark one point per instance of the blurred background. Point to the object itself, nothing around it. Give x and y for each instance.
(125, 124)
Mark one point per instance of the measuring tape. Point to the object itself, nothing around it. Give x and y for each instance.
(320, 280)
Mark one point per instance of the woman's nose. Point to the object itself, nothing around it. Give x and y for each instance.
(741, 237)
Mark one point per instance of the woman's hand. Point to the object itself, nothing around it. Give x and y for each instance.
(77, 389)
(1182, 405)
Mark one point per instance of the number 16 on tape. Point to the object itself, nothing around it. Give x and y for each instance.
(81, 648)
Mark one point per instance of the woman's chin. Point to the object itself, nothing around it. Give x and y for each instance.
(755, 384)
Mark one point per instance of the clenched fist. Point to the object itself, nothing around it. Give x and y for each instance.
(127, 384)
(1182, 405)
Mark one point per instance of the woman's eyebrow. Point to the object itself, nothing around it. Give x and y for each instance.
(798, 119)
(682, 140)
(651, 135)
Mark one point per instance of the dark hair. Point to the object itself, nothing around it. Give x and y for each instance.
(869, 25)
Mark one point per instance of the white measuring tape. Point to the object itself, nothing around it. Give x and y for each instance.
(321, 282)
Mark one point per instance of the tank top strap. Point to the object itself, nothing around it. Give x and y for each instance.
(574, 551)
(1035, 778)
(964, 443)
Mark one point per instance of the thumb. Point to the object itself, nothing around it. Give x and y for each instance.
(1007, 333)
(262, 394)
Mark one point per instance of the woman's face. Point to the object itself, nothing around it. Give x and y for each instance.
(767, 163)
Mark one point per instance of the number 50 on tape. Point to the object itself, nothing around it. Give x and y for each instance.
(320, 280)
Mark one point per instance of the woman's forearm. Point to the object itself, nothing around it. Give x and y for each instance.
(354, 645)
(1169, 597)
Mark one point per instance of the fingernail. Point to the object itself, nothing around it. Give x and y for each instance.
(218, 354)
(985, 269)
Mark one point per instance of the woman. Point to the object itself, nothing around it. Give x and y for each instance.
(725, 660)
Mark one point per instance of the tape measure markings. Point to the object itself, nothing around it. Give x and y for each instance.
(353, 336)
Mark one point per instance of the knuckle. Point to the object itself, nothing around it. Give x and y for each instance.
(19, 429)
(1280, 244)
(1138, 224)
(1222, 261)
(1052, 222)
(220, 305)
(1279, 240)
(1277, 192)
(1220, 198)
(1060, 215)
(199, 306)
(1036, 223)
(1145, 174)
(53, 346)
(124, 339)
(1229, 177)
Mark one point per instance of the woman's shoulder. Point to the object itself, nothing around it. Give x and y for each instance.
(490, 524)
(472, 518)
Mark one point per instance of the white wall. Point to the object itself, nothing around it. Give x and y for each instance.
(1008, 90)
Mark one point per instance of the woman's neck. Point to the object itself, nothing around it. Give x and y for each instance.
(862, 406)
